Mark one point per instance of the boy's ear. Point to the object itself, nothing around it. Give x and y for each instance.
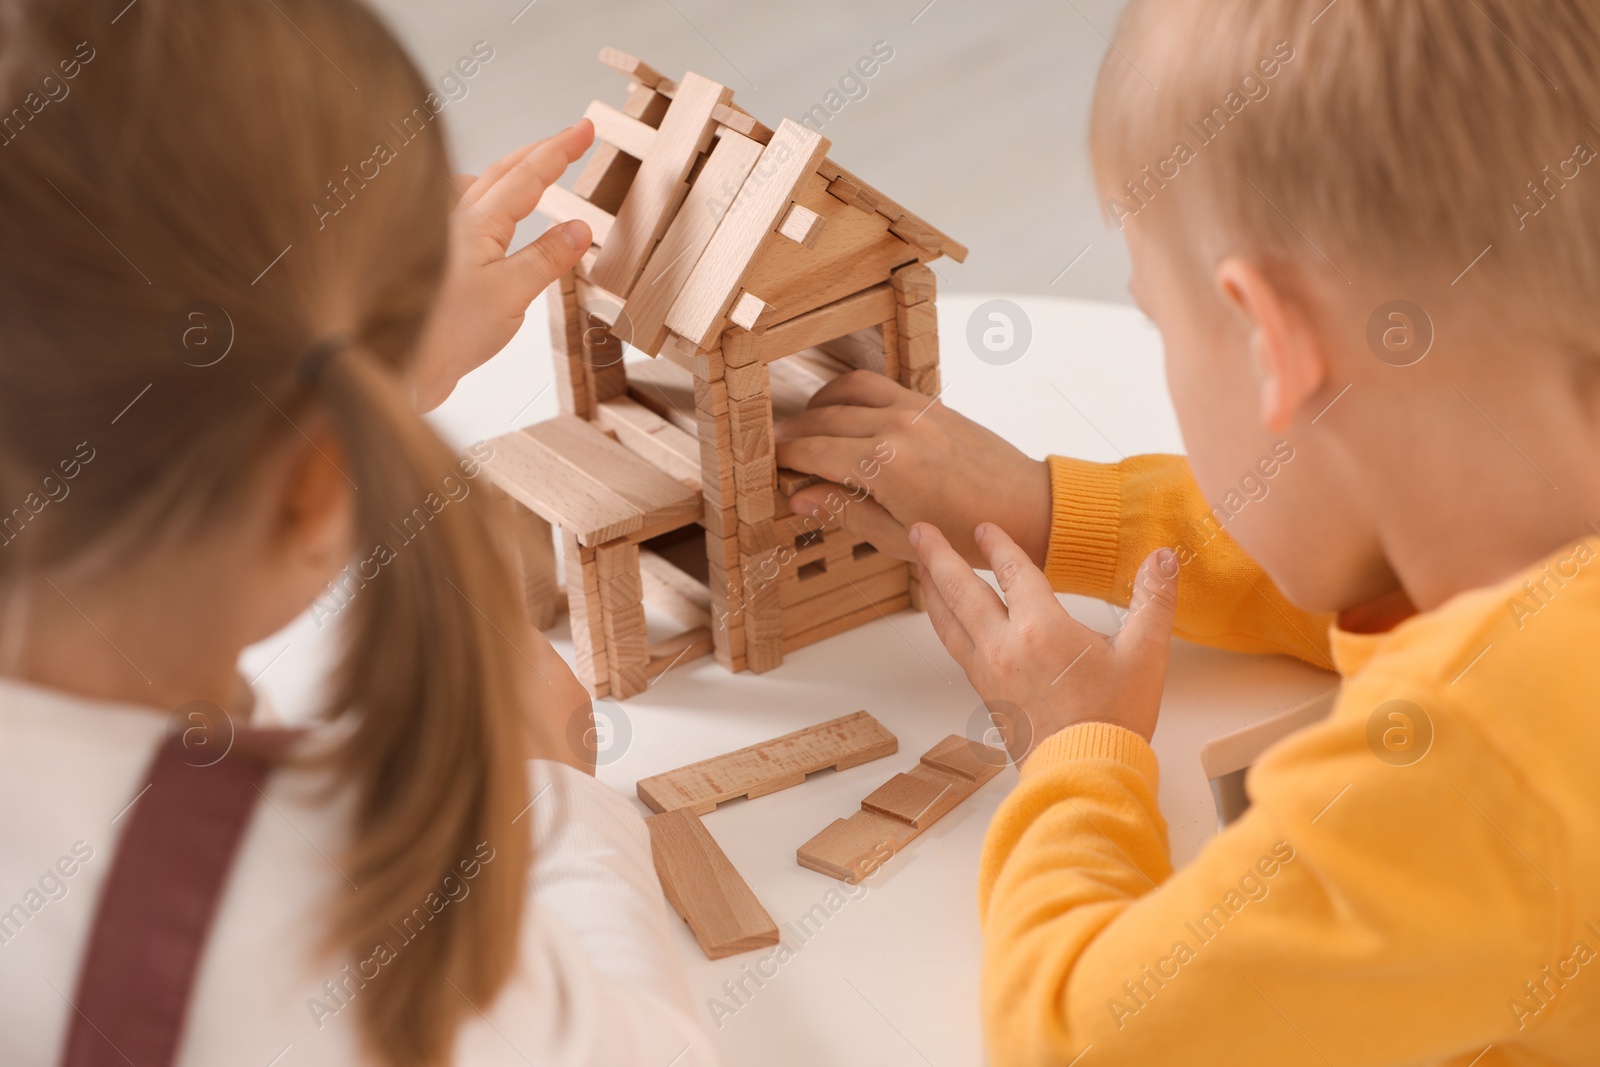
(1287, 352)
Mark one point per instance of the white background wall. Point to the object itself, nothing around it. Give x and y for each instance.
(978, 123)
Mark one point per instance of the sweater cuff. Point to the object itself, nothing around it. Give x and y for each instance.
(1085, 527)
(1094, 740)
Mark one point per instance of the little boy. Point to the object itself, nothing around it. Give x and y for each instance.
(1370, 237)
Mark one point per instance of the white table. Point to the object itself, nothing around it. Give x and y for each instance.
(888, 974)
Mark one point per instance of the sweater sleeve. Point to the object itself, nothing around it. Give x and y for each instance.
(1107, 518)
(1336, 898)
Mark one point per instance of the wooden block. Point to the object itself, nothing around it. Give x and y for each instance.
(851, 849)
(699, 311)
(750, 312)
(584, 611)
(681, 247)
(924, 380)
(651, 438)
(570, 473)
(914, 320)
(711, 398)
(895, 813)
(750, 422)
(659, 187)
(754, 505)
(763, 611)
(632, 66)
(566, 350)
(704, 889)
(742, 122)
(721, 522)
(535, 557)
(865, 309)
(722, 551)
(917, 799)
(802, 225)
(918, 352)
(685, 648)
(560, 204)
(756, 539)
(972, 760)
(892, 359)
(915, 283)
(857, 196)
(701, 362)
(793, 641)
(841, 743)
(625, 133)
(745, 383)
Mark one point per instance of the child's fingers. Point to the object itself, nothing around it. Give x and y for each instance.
(1027, 591)
(951, 634)
(516, 194)
(838, 459)
(479, 185)
(862, 388)
(970, 599)
(842, 420)
(1148, 629)
(865, 518)
(539, 263)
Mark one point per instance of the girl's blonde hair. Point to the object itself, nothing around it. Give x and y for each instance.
(186, 156)
(1393, 143)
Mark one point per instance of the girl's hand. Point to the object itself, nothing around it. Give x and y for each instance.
(920, 461)
(1032, 662)
(487, 291)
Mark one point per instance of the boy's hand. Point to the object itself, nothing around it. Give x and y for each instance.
(1027, 652)
(943, 468)
(486, 291)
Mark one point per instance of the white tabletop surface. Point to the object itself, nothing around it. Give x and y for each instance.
(888, 975)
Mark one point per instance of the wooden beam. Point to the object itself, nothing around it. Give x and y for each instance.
(772, 765)
(704, 889)
(615, 128)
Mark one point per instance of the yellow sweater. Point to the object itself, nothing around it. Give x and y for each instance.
(1372, 907)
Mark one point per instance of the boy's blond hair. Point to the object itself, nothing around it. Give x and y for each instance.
(1437, 150)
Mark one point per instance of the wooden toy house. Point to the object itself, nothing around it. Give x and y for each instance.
(753, 270)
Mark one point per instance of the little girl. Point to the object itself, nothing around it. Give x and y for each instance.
(208, 407)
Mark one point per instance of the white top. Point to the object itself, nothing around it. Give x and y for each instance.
(600, 980)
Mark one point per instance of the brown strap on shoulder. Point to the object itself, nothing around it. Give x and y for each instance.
(156, 908)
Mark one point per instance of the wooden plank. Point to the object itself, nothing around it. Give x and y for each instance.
(675, 258)
(685, 648)
(570, 473)
(750, 312)
(871, 613)
(705, 890)
(847, 596)
(870, 307)
(560, 204)
(632, 66)
(605, 178)
(651, 438)
(765, 768)
(798, 589)
(897, 812)
(676, 594)
(659, 187)
(700, 309)
(621, 131)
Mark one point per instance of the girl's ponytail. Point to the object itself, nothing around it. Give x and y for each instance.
(438, 750)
